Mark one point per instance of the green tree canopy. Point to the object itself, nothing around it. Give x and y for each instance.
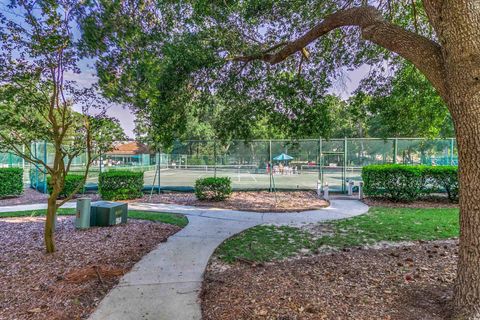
(405, 105)
(168, 58)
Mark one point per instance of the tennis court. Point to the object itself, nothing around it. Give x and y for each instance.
(242, 176)
(245, 177)
(247, 163)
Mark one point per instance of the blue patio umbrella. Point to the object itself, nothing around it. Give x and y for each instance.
(283, 157)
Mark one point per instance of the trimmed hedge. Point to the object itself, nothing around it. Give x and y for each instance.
(212, 188)
(72, 181)
(11, 182)
(120, 185)
(444, 178)
(408, 183)
(396, 182)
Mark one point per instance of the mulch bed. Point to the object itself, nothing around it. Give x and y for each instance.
(71, 282)
(409, 282)
(427, 202)
(259, 201)
(31, 196)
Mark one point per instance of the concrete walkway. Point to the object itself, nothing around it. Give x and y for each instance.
(165, 284)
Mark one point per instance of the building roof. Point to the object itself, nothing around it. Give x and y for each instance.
(129, 148)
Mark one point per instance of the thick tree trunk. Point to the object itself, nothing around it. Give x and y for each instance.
(458, 27)
(467, 287)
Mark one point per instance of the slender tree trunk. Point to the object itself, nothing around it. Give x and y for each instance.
(51, 212)
(50, 224)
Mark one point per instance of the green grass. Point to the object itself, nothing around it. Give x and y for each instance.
(36, 213)
(266, 243)
(170, 218)
(393, 224)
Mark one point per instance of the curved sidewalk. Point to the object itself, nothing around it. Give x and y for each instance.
(165, 284)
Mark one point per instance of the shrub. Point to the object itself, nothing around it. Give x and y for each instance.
(408, 183)
(211, 188)
(11, 182)
(444, 178)
(120, 185)
(72, 181)
(396, 182)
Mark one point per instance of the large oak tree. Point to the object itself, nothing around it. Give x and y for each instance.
(158, 54)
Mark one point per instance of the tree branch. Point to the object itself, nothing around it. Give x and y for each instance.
(424, 53)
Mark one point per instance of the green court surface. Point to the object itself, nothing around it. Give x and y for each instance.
(244, 178)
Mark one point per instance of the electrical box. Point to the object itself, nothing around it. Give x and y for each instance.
(82, 218)
(105, 213)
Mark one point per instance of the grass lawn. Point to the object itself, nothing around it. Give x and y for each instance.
(266, 243)
(263, 243)
(170, 218)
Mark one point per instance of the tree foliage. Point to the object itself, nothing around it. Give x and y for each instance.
(37, 52)
(398, 106)
(173, 63)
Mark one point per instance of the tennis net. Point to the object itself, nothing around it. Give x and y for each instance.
(240, 168)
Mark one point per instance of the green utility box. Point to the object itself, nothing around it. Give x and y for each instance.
(105, 213)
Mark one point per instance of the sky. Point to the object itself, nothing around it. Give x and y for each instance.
(86, 78)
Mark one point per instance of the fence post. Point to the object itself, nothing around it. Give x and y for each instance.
(319, 162)
(452, 147)
(159, 167)
(23, 159)
(45, 159)
(100, 162)
(344, 170)
(36, 166)
(395, 150)
(270, 162)
(215, 158)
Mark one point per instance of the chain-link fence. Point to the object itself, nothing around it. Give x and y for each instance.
(258, 164)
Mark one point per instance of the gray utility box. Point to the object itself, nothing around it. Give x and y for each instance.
(82, 218)
(105, 213)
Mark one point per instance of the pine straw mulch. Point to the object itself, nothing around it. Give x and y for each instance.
(426, 202)
(409, 282)
(71, 282)
(258, 201)
(31, 196)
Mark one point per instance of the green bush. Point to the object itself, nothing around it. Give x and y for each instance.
(11, 182)
(443, 178)
(407, 183)
(396, 182)
(72, 181)
(211, 188)
(120, 185)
